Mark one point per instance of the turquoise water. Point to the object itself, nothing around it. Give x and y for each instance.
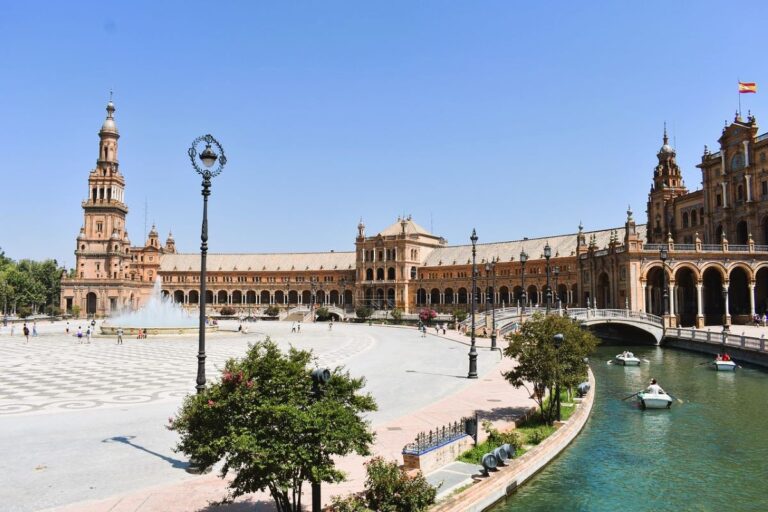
(708, 453)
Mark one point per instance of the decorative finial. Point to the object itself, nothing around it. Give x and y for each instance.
(666, 139)
(629, 213)
(581, 227)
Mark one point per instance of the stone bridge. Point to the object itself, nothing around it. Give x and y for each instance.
(508, 319)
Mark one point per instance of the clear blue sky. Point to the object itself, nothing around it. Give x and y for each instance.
(517, 118)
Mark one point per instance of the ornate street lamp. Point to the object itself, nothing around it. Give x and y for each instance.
(472, 349)
(663, 254)
(490, 268)
(523, 259)
(547, 255)
(208, 158)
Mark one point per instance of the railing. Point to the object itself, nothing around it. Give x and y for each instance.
(426, 441)
(685, 247)
(653, 247)
(738, 248)
(711, 247)
(720, 338)
(615, 313)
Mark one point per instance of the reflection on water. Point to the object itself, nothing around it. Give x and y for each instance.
(708, 453)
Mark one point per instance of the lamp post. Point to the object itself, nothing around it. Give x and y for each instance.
(663, 254)
(313, 299)
(556, 273)
(547, 255)
(524, 298)
(472, 349)
(319, 376)
(490, 268)
(558, 341)
(208, 158)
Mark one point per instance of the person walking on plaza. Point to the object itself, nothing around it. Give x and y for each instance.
(330, 325)
(298, 327)
(119, 335)
(88, 335)
(79, 334)
(34, 329)
(67, 330)
(26, 332)
(293, 327)
(13, 328)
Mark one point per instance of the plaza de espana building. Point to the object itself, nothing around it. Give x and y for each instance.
(716, 240)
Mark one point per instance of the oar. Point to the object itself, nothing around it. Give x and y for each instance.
(609, 362)
(635, 394)
(705, 362)
(646, 360)
(675, 398)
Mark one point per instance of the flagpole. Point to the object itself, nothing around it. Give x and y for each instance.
(738, 90)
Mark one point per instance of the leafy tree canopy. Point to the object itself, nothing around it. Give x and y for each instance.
(263, 421)
(541, 363)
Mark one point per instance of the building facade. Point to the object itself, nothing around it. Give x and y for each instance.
(709, 279)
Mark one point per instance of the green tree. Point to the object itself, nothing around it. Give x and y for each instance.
(397, 315)
(459, 315)
(76, 311)
(264, 422)
(322, 314)
(539, 362)
(363, 312)
(272, 311)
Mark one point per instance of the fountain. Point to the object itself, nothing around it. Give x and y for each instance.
(160, 315)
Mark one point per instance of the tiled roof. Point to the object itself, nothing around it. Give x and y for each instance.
(562, 245)
(261, 262)
(411, 228)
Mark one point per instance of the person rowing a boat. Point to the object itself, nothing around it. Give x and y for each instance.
(654, 388)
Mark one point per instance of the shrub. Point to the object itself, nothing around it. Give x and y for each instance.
(272, 311)
(23, 311)
(536, 436)
(352, 503)
(460, 315)
(227, 311)
(363, 312)
(323, 314)
(426, 315)
(397, 316)
(76, 311)
(389, 488)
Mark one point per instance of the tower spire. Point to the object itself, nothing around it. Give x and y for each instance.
(666, 139)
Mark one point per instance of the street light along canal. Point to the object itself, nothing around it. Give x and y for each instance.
(708, 453)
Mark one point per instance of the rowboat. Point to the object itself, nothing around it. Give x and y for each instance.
(654, 399)
(724, 366)
(627, 359)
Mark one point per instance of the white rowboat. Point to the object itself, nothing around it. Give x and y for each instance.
(724, 366)
(627, 359)
(651, 400)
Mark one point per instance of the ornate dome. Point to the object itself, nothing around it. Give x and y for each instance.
(109, 125)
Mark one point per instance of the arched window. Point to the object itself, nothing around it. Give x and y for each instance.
(369, 274)
(413, 272)
(391, 273)
(694, 220)
(685, 219)
(379, 274)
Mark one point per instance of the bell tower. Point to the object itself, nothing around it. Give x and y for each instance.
(667, 185)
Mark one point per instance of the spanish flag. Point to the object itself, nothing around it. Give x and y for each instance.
(747, 87)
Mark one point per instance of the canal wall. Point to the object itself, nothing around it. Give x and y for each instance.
(487, 491)
(746, 349)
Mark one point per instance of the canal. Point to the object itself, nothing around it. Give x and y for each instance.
(708, 453)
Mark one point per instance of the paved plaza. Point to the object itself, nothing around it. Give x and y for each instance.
(85, 422)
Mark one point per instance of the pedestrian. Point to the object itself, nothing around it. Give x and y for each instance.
(443, 326)
(67, 331)
(437, 329)
(13, 328)
(34, 329)
(79, 334)
(26, 332)
(330, 325)
(88, 335)
(293, 327)
(298, 327)
(119, 335)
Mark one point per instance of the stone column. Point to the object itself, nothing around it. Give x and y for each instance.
(646, 298)
(671, 299)
(746, 152)
(725, 194)
(752, 299)
(699, 305)
(727, 316)
(748, 183)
